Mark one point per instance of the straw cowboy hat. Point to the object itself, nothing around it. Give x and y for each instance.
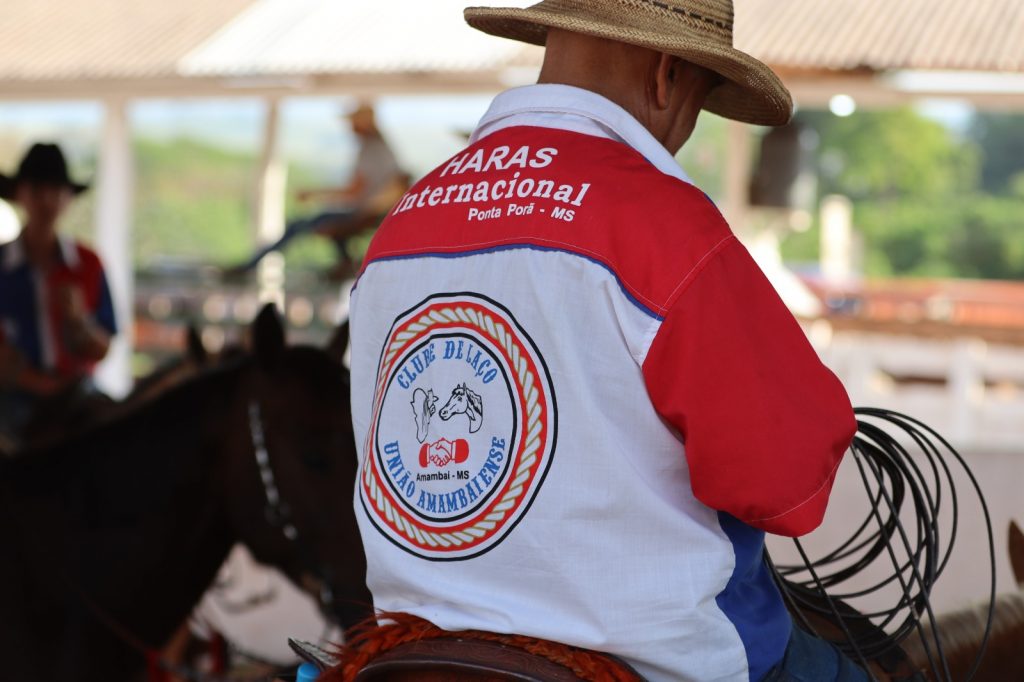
(699, 31)
(44, 164)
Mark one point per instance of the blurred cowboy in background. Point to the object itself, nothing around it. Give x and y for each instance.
(377, 182)
(56, 312)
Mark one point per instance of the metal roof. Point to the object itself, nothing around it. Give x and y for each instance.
(313, 36)
(54, 40)
(143, 47)
(879, 35)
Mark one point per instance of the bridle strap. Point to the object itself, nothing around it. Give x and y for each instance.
(277, 511)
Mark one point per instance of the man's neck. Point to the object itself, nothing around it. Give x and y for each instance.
(40, 244)
(612, 69)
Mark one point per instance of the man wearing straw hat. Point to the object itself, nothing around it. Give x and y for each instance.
(376, 182)
(580, 405)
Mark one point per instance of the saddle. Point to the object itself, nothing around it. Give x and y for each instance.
(410, 649)
(444, 660)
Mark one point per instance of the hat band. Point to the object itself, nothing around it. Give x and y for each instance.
(646, 16)
(683, 12)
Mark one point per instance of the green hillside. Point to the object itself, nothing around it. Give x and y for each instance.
(195, 203)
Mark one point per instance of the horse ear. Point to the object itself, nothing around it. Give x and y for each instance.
(194, 348)
(339, 342)
(268, 336)
(1016, 542)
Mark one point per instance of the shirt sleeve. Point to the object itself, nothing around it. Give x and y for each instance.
(104, 313)
(764, 422)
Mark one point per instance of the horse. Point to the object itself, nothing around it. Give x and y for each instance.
(111, 537)
(78, 406)
(961, 634)
(962, 630)
(464, 401)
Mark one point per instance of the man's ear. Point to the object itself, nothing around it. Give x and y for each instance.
(665, 77)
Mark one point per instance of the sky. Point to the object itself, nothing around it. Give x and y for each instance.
(423, 130)
(419, 127)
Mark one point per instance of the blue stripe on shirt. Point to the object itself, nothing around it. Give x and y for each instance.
(752, 602)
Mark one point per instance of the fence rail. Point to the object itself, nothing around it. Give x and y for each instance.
(969, 390)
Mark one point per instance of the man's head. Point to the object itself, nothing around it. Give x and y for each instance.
(363, 120)
(663, 92)
(659, 59)
(41, 186)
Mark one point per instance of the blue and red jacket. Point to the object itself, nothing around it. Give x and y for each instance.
(31, 317)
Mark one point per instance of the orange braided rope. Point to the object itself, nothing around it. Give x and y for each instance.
(367, 641)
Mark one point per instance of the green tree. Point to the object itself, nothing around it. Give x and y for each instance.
(1000, 137)
(893, 154)
(917, 194)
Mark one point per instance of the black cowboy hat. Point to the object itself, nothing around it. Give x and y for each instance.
(44, 164)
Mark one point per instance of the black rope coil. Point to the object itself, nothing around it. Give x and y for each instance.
(893, 478)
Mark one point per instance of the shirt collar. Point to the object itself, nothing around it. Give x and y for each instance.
(570, 108)
(14, 253)
(68, 251)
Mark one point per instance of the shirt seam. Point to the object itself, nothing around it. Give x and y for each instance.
(698, 267)
(807, 500)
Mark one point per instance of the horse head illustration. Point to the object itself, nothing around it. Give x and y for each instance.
(464, 401)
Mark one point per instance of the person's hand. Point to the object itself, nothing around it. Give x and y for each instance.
(71, 302)
(84, 338)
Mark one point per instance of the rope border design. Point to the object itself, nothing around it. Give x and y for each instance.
(527, 453)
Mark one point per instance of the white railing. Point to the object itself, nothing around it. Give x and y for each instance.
(969, 390)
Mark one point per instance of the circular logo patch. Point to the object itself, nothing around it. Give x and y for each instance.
(463, 428)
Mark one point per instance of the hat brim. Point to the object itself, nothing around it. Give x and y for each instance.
(750, 93)
(8, 185)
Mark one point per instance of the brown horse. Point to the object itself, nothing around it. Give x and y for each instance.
(77, 408)
(961, 634)
(962, 631)
(111, 538)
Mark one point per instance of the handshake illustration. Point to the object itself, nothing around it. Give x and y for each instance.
(443, 452)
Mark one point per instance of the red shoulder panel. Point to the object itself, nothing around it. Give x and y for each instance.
(554, 189)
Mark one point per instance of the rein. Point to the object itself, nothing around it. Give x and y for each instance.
(277, 514)
(918, 552)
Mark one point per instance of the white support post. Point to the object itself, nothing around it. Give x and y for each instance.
(837, 240)
(270, 200)
(113, 225)
(966, 389)
(737, 174)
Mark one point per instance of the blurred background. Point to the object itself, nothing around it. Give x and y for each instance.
(889, 214)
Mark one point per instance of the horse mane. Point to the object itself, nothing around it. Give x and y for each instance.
(324, 376)
(475, 401)
(962, 631)
(155, 377)
(136, 424)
